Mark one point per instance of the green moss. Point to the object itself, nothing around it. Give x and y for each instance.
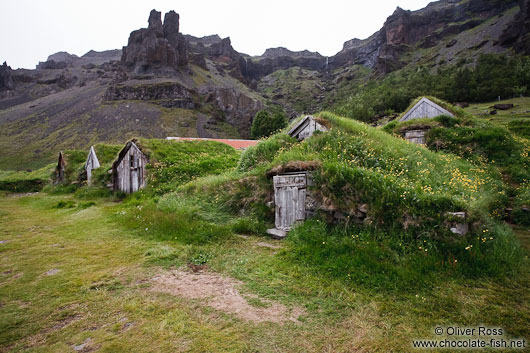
(361, 164)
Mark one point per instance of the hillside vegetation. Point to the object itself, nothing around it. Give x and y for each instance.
(492, 76)
(173, 163)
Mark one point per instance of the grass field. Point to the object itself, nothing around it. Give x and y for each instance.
(517, 119)
(77, 275)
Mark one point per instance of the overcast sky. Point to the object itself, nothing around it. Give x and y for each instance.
(30, 30)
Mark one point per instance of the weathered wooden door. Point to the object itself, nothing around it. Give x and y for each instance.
(134, 173)
(289, 198)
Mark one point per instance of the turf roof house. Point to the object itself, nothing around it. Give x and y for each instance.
(425, 108)
(129, 172)
(91, 163)
(293, 200)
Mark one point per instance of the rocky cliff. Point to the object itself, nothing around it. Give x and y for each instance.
(517, 34)
(63, 60)
(404, 30)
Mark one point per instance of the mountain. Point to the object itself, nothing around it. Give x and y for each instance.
(165, 83)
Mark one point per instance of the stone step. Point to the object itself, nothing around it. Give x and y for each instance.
(277, 233)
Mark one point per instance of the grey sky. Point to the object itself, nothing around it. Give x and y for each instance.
(30, 30)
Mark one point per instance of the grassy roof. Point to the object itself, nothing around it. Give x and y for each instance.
(25, 181)
(362, 164)
(173, 163)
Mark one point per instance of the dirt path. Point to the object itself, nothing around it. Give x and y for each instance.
(222, 293)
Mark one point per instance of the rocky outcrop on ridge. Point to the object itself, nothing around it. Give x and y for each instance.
(63, 60)
(60, 60)
(273, 53)
(6, 79)
(157, 48)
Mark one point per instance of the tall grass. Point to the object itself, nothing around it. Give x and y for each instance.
(398, 262)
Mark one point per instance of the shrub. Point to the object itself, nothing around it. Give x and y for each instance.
(248, 225)
(85, 205)
(65, 204)
(25, 185)
(264, 152)
(265, 124)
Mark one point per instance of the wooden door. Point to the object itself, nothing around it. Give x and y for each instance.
(289, 197)
(135, 175)
(88, 173)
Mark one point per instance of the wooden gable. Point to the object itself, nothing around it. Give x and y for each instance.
(306, 128)
(425, 108)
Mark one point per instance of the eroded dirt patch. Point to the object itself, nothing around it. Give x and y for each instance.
(222, 293)
(268, 245)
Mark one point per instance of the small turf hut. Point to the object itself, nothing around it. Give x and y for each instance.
(60, 169)
(91, 163)
(129, 170)
(425, 108)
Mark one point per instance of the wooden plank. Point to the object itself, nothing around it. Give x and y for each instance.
(278, 209)
(300, 215)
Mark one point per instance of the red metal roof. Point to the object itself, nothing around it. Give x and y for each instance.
(237, 144)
